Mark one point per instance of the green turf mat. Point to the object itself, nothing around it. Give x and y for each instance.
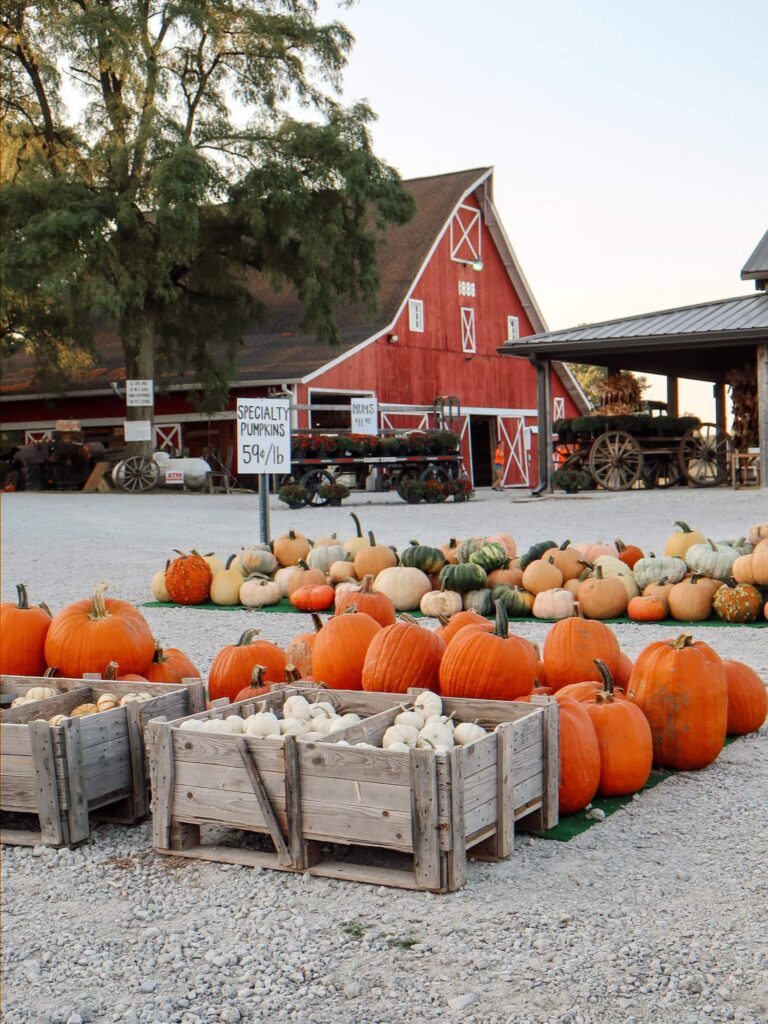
(574, 824)
(286, 606)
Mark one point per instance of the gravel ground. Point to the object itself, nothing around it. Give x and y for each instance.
(656, 915)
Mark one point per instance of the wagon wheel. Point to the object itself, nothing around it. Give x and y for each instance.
(137, 474)
(406, 473)
(616, 460)
(438, 474)
(704, 455)
(661, 471)
(313, 480)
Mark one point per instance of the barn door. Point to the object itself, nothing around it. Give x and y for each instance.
(512, 432)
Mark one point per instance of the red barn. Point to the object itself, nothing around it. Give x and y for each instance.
(451, 293)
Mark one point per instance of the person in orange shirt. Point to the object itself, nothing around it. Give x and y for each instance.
(498, 467)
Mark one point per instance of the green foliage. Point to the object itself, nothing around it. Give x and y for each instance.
(589, 377)
(143, 209)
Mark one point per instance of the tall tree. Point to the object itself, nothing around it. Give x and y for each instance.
(155, 157)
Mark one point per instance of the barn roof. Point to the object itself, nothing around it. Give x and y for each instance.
(278, 350)
(756, 267)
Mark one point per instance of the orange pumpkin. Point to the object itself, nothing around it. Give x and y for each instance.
(403, 655)
(488, 666)
(451, 551)
(603, 597)
(629, 554)
(624, 739)
(747, 698)
(660, 590)
(647, 609)
(378, 606)
(312, 597)
(450, 626)
(623, 671)
(568, 560)
(22, 636)
(570, 650)
(690, 600)
(291, 548)
(512, 576)
(340, 648)
(256, 687)
(111, 673)
(541, 575)
(170, 665)
(579, 758)
(680, 686)
(303, 576)
(188, 579)
(372, 560)
(87, 635)
(299, 650)
(233, 666)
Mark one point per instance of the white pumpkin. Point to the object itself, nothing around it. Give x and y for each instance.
(414, 718)
(258, 559)
(191, 725)
(554, 604)
(404, 586)
(225, 587)
(235, 724)
(284, 576)
(132, 697)
(322, 709)
(653, 570)
(430, 703)
(435, 734)
(441, 602)
(256, 592)
(398, 748)
(216, 725)
(406, 734)
(346, 588)
(468, 732)
(710, 559)
(297, 707)
(293, 726)
(158, 587)
(41, 692)
(19, 702)
(263, 723)
(323, 557)
(611, 566)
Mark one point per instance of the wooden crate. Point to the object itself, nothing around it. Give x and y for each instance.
(431, 808)
(87, 767)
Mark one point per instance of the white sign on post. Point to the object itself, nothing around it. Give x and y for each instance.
(263, 435)
(365, 415)
(139, 392)
(137, 430)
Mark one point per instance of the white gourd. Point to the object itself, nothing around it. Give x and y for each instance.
(323, 725)
(399, 748)
(400, 734)
(435, 734)
(368, 746)
(21, 701)
(350, 718)
(234, 723)
(445, 720)
(468, 732)
(42, 692)
(293, 726)
(191, 725)
(297, 707)
(215, 725)
(343, 743)
(429, 703)
(415, 718)
(322, 709)
(137, 698)
(264, 723)
(314, 737)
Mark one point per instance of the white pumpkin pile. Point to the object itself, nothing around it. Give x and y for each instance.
(106, 702)
(300, 718)
(425, 726)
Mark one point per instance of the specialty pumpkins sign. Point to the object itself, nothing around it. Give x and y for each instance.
(263, 435)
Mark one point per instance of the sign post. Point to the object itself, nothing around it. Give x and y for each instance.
(263, 446)
(365, 415)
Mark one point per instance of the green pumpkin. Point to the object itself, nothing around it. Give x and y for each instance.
(478, 601)
(468, 547)
(462, 578)
(741, 545)
(516, 602)
(710, 559)
(420, 556)
(653, 570)
(535, 552)
(490, 556)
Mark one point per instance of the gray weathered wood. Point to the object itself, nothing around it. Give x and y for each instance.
(52, 829)
(547, 816)
(293, 802)
(162, 773)
(137, 760)
(456, 857)
(262, 797)
(426, 848)
(77, 810)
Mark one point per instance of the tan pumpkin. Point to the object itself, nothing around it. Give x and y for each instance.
(257, 592)
(569, 560)
(158, 586)
(404, 586)
(291, 548)
(451, 551)
(257, 558)
(690, 600)
(603, 597)
(760, 563)
(661, 591)
(573, 586)
(510, 577)
(358, 542)
(225, 587)
(303, 576)
(284, 576)
(742, 570)
(554, 604)
(678, 543)
(373, 559)
(541, 575)
(757, 533)
(341, 571)
(590, 551)
(440, 602)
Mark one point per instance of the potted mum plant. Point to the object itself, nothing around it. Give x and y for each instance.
(572, 480)
(334, 493)
(461, 489)
(294, 495)
(412, 491)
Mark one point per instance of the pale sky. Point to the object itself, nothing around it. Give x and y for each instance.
(630, 141)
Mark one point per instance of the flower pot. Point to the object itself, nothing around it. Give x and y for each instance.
(295, 504)
(334, 502)
(459, 497)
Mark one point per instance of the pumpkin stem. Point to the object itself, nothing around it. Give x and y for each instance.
(607, 678)
(51, 673)
(302, 564)
(502, 620)
(292, 674)
(358, 527)
(442, 618)
(159, 656)
(366, 587)
(683, 641)
(683, 526)
(620, 545)
(46, 609)
(598, 572)
(579, 614)
(230, 560)
(414, 543)
(181, 554)
(292, 534)
(405, 617)
(317, 622)
(371, 539)
(257, 675)
(564, 545)
(23, 601)
(452, 543)
(248, 637)
(110, 672)
(99, 602)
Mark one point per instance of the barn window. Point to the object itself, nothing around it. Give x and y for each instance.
(416, 315)
(468, 329)
(513, 328)
(466, 237)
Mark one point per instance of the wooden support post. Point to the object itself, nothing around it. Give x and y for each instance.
(426, 844)
(262, 797)
(673, 396)
(196, 692)
(456, 857)
(544, 395)
(77, 811)
(53, 830)
(502, 843)
(139, 798)
(163, 775)
(761, 356)
(718, 389)
(548, 815)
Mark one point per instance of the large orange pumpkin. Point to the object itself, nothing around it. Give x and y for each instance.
(378, 606)
(624, 739)
(680, 686)
(488, 666)
(340, 649)
(571, 648)
(233, 666)
(747, 698)
(188, 579)
(170, 665)
(647, 609)
(451, 626)
(299, 650)
(291, 548)
(22, 636)
(87, 635)
(579, 758)
(403, 655)
(373, 559)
